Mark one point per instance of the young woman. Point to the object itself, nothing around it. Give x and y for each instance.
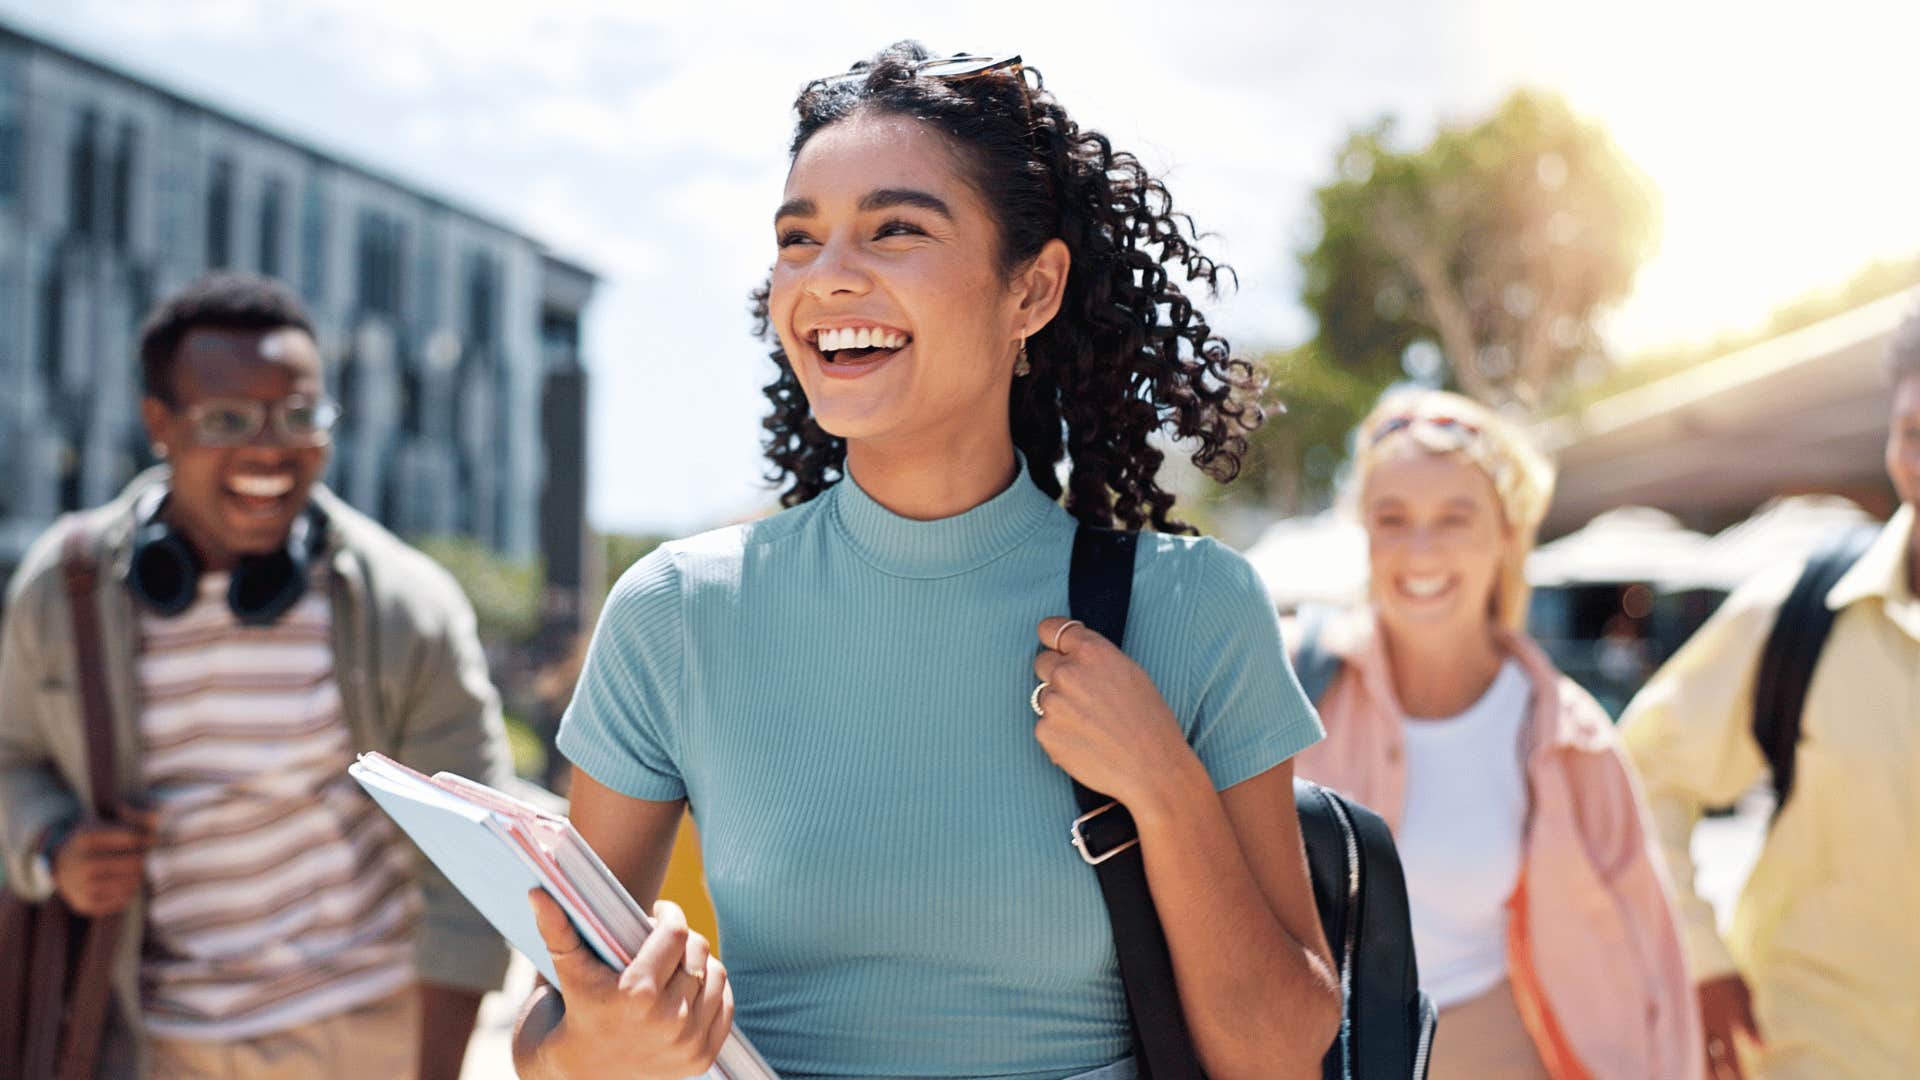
(1540, 922)
(969, 287)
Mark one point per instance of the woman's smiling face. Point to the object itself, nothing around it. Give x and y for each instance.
(1436, 540)
(888, 296)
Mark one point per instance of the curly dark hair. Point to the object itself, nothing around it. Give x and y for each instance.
(1110, 369)
(224, 300)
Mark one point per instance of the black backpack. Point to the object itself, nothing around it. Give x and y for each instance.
(1792, 652)
(1386, 1023)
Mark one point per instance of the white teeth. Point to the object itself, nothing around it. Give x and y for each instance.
(261, 487)
(1424, 587)
(864, 337)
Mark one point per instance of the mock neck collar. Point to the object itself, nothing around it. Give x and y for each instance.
(946, 546)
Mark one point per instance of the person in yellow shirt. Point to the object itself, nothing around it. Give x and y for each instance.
(1819, 975)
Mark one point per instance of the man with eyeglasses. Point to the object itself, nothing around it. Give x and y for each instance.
(257, 633)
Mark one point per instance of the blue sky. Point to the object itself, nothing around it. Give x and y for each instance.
(647, 139)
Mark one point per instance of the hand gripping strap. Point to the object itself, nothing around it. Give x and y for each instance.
(1099, 591)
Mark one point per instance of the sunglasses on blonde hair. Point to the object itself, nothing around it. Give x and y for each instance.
(1450, 424)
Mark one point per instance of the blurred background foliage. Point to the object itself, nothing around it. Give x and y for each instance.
(1478, 262)
(505, 593)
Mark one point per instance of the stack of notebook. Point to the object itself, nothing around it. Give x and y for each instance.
(495, 848)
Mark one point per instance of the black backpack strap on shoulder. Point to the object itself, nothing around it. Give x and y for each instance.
(1792, 652)
(1099, 591)
(1315, 665)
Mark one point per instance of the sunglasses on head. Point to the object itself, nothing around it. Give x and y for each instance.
(1403, 421)
(964, 66)
(298, 420)
(952, 68)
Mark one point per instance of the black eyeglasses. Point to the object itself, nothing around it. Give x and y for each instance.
(298, 420)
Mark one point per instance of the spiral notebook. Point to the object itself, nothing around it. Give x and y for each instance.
(495, 848)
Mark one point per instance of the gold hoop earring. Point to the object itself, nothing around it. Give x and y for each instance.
(1020, 364)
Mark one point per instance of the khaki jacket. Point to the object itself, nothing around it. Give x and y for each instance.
(1593, 955)
(413, 684)
(1824, 929)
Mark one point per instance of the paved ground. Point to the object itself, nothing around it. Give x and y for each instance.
(1723, 849)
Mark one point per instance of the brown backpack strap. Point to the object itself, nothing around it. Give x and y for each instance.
(93, 970)
(82, 574)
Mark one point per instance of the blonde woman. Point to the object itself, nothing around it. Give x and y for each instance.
(1541, 926)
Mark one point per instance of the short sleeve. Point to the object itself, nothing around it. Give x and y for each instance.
(1249, 713)
(619, 729)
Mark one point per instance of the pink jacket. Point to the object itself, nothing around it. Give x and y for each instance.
(1594, 953)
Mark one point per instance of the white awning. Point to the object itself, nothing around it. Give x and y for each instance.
(1622, 546)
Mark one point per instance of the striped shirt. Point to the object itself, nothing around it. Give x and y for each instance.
(278, 893)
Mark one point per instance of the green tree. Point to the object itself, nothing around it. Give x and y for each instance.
(1478, 261)
(1311, 406)
(1498, 242)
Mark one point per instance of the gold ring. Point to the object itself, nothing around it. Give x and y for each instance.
(1062, 632)
(1035, 699)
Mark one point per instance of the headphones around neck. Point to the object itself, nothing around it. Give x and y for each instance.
(164, 573)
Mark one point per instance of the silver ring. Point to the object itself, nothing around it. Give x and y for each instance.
(1062, 632)
(1035, 699)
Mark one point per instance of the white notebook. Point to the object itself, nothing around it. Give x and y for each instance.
(495, 848)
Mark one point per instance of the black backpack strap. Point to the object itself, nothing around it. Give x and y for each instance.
(1386, 1022)
(1793, 650)
(1315, 665)
(1099, 591)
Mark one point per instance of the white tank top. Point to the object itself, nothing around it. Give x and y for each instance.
(1460, 838)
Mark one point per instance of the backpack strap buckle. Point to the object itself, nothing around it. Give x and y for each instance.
(1085, 844)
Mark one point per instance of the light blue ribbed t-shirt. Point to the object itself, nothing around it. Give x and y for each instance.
(841, 695)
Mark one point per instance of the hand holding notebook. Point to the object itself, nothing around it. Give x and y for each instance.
(680, 1018)
(496, 850)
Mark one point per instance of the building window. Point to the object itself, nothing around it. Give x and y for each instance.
(427, 307)
(483, 288)
(273, 198)
(53, 329)
(560, 338)
(220, 214)
(120, 207)
(382, 243)
(82, 174)
(313, 244)
(13, 129)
